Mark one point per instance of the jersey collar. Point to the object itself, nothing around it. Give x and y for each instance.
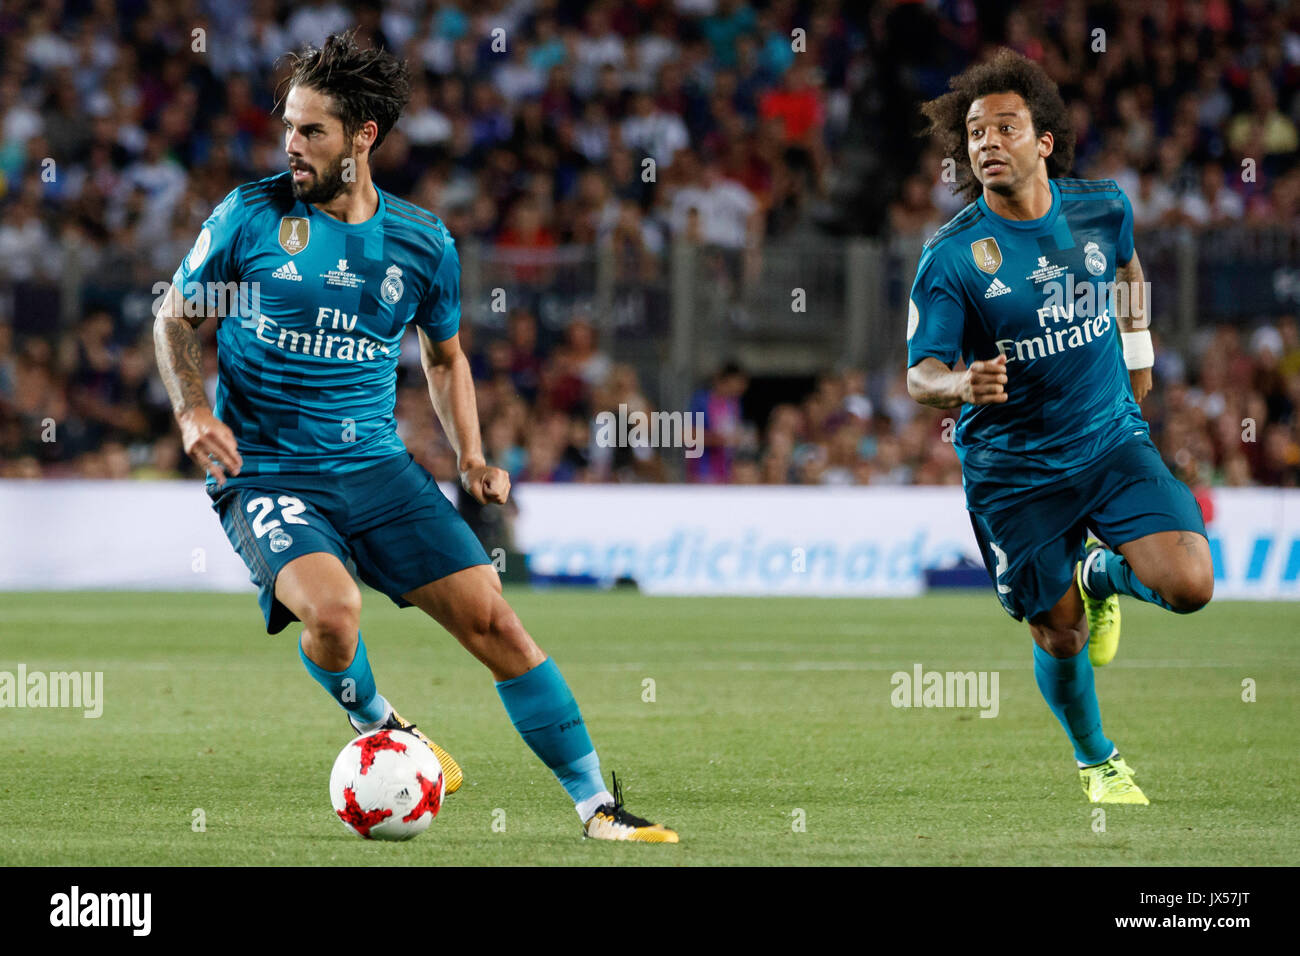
(1028, 225)
(349, 227)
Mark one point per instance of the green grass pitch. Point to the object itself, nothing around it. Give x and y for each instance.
(762, 708)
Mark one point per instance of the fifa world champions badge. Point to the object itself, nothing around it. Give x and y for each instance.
(295, 233)
(987, 254)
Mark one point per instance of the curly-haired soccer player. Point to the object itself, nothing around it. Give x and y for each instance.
(1037, 287)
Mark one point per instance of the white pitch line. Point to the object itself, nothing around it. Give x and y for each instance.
(930, 665)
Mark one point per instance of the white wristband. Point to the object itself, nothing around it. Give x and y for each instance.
(1138, 352)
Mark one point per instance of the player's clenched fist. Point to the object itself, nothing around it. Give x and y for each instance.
(984, 381)
(1140, 379)
(211, 443)
(488, 484)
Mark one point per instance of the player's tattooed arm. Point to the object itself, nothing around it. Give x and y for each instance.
(207, 440)
(931, 382)
(1131, 315)
(451, 389)
(176, 345)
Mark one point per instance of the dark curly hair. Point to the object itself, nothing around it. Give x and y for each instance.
(1006, 72)
(364, 84)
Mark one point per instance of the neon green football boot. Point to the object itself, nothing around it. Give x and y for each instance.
(1111, 782)
(1103, 615)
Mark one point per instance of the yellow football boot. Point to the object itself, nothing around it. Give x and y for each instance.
(612, 822)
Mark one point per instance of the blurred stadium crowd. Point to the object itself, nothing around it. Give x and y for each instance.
(754, 136)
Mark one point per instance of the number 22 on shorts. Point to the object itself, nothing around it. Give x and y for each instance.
(290, 509)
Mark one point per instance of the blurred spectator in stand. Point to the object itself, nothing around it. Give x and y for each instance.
(718, 410)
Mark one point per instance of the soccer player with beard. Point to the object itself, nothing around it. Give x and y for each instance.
(305, 466)
(1037, 287)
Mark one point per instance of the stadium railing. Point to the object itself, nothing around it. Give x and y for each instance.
(792, 306)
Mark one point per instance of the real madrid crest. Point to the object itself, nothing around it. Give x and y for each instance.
(987, 254)
(295, 233)
(1093, 259)
(390, 290)
(280, 540)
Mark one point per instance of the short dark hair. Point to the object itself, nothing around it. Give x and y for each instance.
(364, 84)
(1006, 72)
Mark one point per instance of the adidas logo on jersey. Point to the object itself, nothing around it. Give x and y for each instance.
(996, 288)
(287, 271)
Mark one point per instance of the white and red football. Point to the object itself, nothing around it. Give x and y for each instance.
(386, 785)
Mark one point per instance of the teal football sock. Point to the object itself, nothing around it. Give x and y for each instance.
(1106, 573)
(541, 707)
(1067, 685)
(353, 688)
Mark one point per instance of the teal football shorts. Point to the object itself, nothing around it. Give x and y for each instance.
(390, 519)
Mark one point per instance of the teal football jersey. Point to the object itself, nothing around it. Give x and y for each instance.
(1040, 292)
(311, 315)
